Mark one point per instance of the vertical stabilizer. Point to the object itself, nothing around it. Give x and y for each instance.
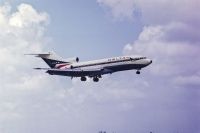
(51, 58)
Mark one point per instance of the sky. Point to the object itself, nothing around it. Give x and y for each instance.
(163, 99)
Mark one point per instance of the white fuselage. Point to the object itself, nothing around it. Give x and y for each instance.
(115, 64)
(94, 69)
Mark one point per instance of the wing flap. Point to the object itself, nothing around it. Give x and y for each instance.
(74, 72)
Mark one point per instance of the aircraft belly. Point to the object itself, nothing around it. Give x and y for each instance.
(97, 70)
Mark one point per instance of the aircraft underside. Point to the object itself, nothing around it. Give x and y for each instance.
(96, 73)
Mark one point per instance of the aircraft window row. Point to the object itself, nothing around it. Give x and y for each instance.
(139, 58)
(118, 59)
(102, 63)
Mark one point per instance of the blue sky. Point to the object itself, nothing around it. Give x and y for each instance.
(164, 98)
(83, 25)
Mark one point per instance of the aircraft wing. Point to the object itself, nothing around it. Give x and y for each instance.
(74, 72)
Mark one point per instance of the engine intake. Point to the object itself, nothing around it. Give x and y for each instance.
(74, 59)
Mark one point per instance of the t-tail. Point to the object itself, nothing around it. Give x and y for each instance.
(53, 60)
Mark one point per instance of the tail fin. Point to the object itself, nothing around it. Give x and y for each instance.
(52, 59)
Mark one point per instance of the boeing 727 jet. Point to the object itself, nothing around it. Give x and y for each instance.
(94, 69)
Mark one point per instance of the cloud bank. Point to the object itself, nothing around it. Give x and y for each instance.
(21, 31)
(163, 99)
(154, 11)
(33, 101)
(170, 37)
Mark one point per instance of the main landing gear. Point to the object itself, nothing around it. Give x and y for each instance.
(83, 78)
(95, 79)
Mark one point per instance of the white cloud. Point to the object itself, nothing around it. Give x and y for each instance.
(119, 8)
(158, 12)
(193, 81)
(155, 11)
(27, 16)
(169, 57)
(173, 75)
(15, 41)
(35, 102)
(28, 98)
(172, 34)
(20, 32)
(170, 37)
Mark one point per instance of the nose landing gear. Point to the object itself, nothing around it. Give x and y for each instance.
(137, 72)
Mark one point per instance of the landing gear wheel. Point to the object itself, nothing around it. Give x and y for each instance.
(99, 76)
(83, 79)
(137, 72)
(95, 79)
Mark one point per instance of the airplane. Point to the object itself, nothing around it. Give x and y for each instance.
(93, 69)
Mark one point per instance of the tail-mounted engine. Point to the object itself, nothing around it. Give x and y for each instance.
(72, 60)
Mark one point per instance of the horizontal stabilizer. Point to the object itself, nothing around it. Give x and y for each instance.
(40, 55)
(41, 68)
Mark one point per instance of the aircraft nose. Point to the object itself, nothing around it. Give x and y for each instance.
(149, 61)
